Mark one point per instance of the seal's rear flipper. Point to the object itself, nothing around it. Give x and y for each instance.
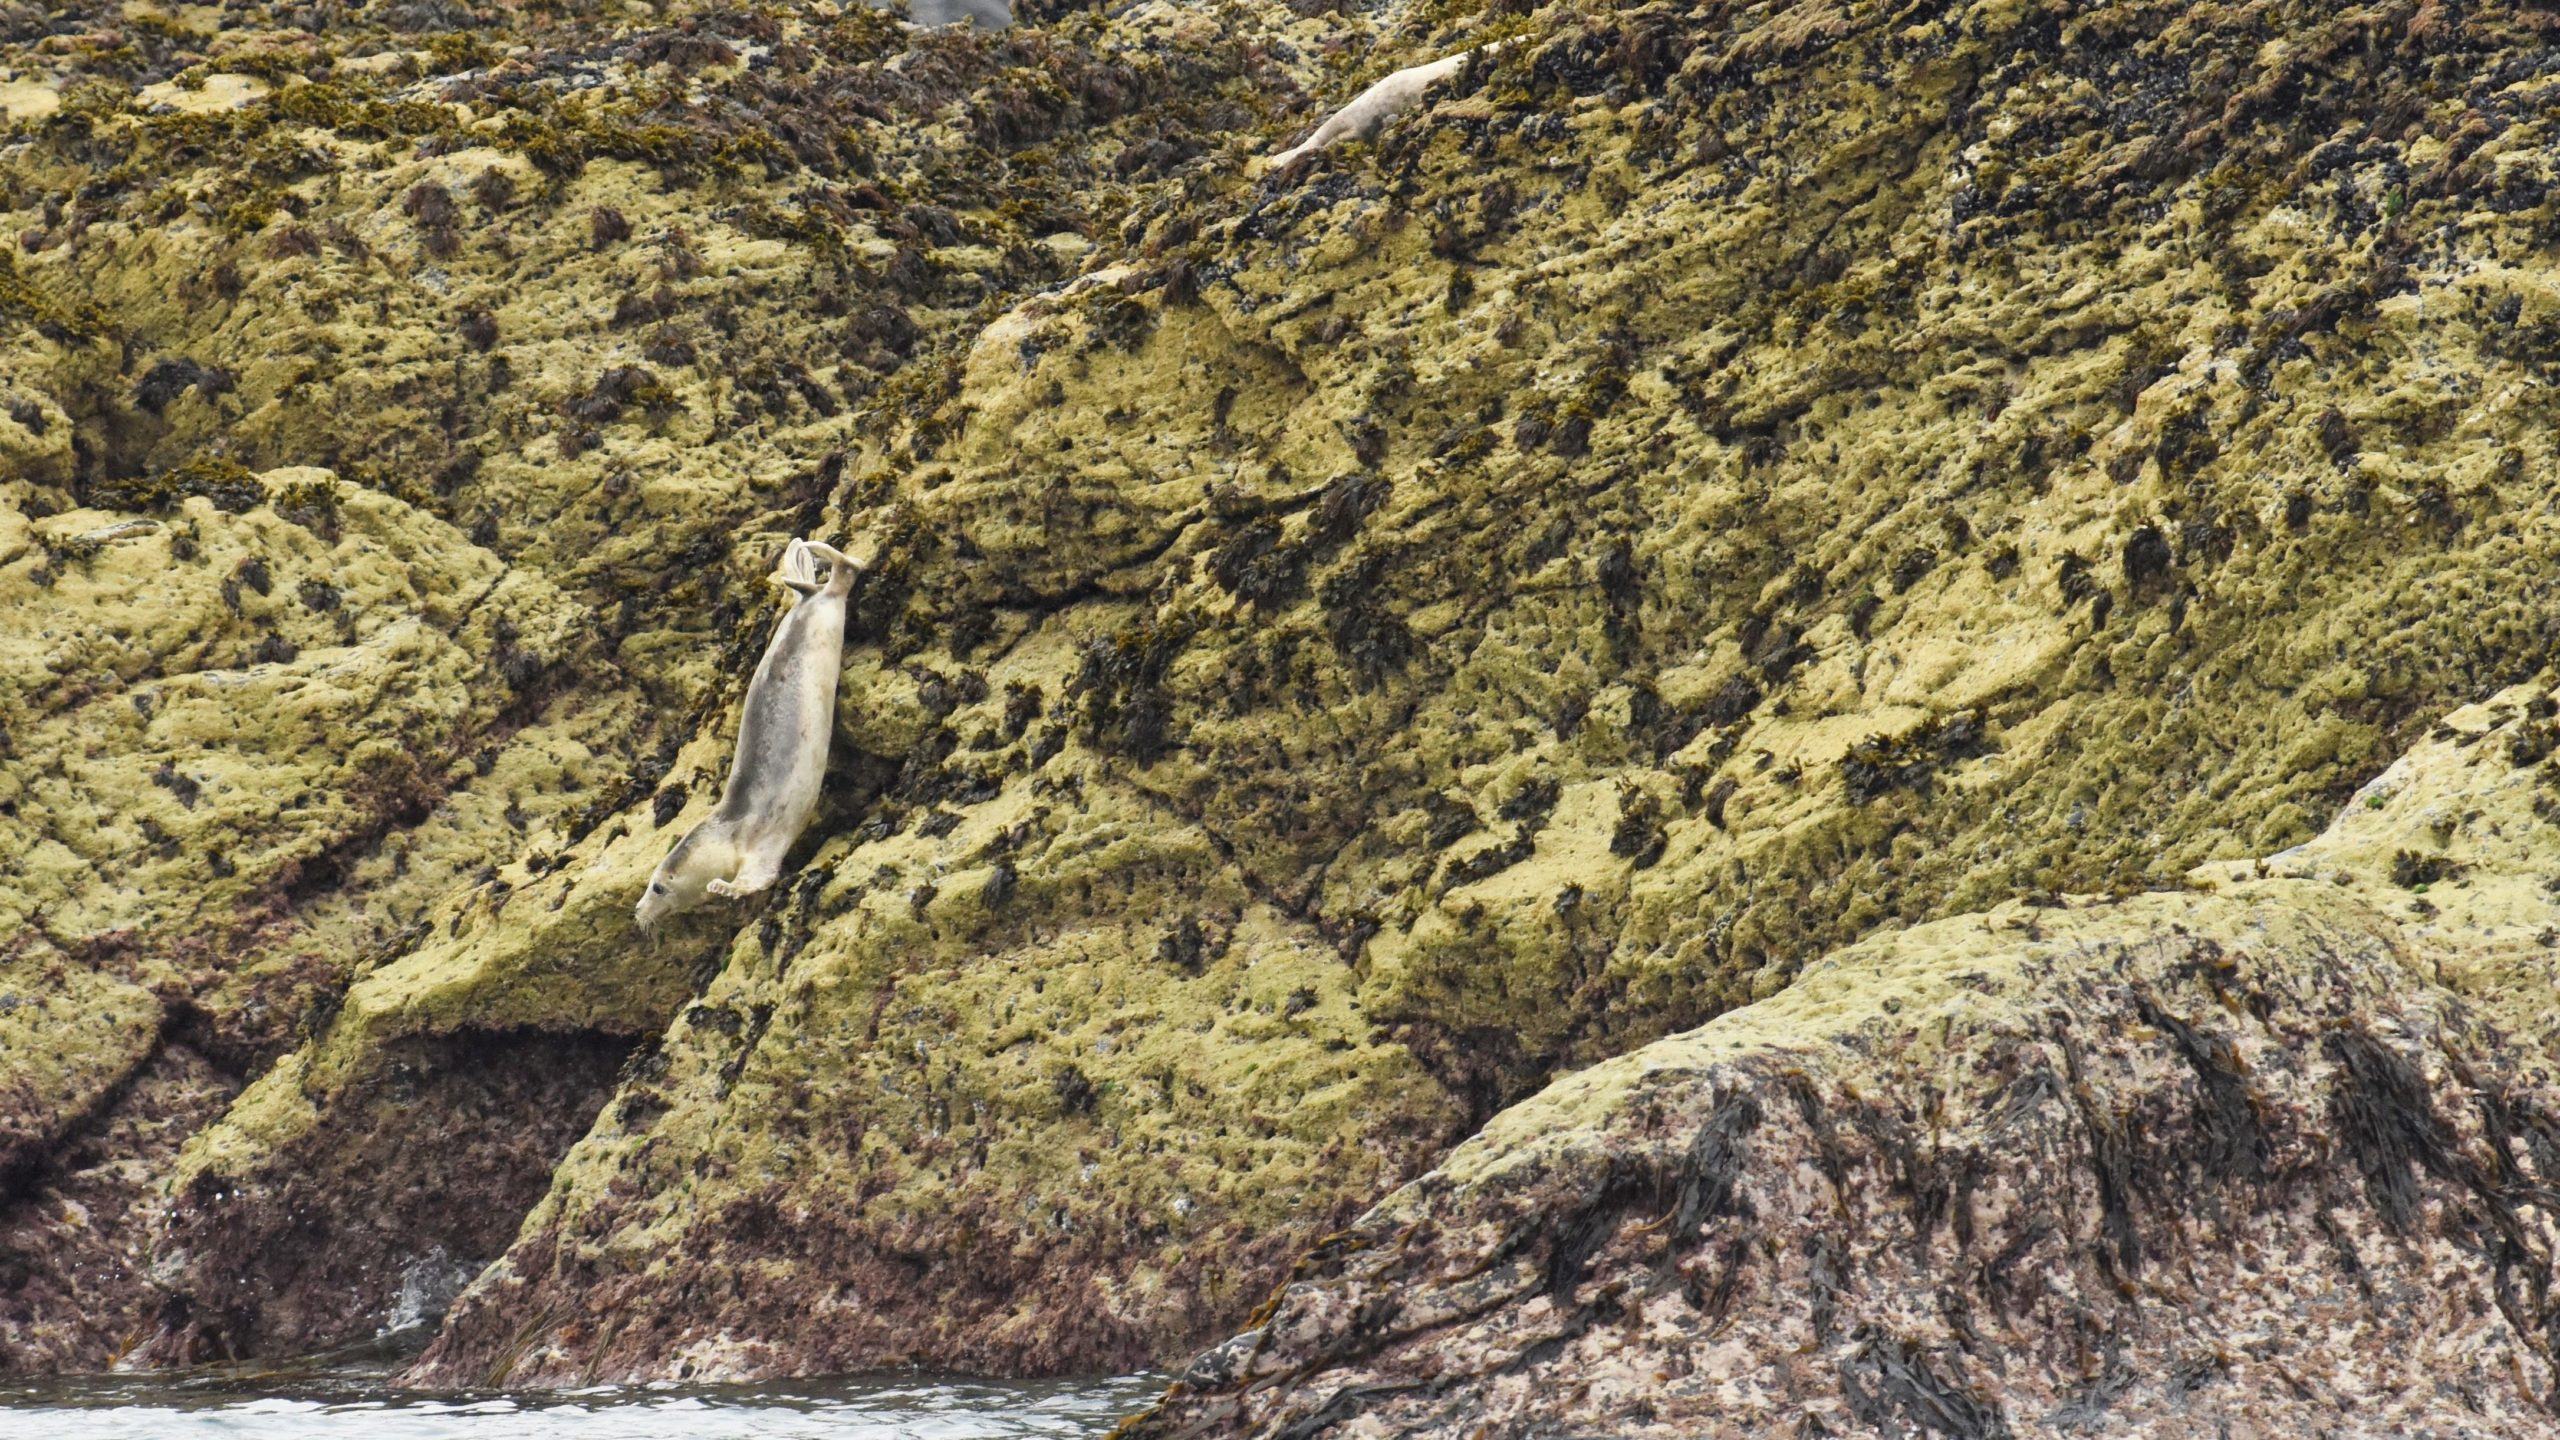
(797, 569)
(840, 579)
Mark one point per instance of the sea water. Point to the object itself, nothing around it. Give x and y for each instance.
(352, 1399)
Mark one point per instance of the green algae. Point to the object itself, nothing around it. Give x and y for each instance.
(1010, 1067)
(23, 301)
(494, 788)
(68, 1037)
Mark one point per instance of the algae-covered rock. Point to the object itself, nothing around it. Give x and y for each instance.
(1709, 486)
(248, 747)
(68, 1038)
(2271, 1158)
(332, 786)
(1087, 1134)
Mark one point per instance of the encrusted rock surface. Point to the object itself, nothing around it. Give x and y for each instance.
(250, 754)
(1715, 484)
(2274, 1157)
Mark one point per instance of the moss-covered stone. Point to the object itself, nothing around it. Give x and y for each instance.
(242, 760)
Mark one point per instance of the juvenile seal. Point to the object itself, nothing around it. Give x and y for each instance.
(790, 715)
(1371, 109)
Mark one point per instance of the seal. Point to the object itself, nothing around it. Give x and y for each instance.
(789, 717)
(1371, 109)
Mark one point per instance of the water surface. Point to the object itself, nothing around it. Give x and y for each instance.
(349, 1398)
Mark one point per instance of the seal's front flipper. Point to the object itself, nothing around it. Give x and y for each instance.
(753, 876)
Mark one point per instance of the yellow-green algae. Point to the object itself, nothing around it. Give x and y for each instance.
(2226, 1137)
(68, 1037)
(1801, 460)
(244, 756)
(2478, 797)
(574, 364)
(1733, 481)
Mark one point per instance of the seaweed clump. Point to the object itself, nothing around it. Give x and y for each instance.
(1121, 683)
(230, 485)
(1880, 764)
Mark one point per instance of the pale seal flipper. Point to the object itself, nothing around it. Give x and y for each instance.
(788, 719)
(1372, 108)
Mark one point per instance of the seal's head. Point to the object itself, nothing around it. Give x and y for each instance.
(842, 570)
(656, 904)
(680, 880)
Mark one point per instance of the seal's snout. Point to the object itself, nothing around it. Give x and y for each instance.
(655, 903)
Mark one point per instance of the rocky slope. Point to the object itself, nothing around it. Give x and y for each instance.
(2271, 1157)
(1355, 644)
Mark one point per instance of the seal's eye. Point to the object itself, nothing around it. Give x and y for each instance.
(657, 889)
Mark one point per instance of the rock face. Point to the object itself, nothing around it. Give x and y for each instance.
(2274, 1158)
(1712, 486)
(249, 754)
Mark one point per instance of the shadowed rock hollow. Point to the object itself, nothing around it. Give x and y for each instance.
(1719, 484)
